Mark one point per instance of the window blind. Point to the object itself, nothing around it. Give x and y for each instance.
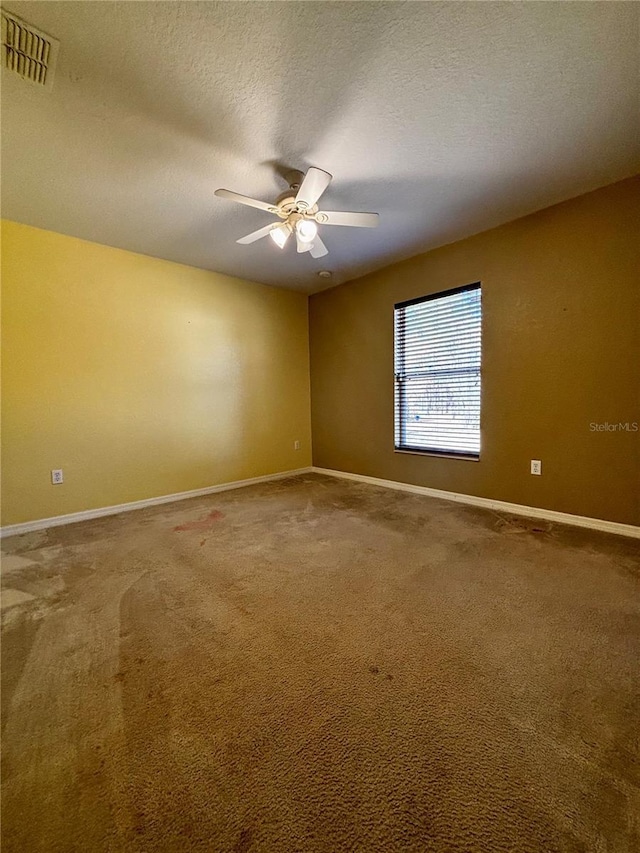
(437, 372)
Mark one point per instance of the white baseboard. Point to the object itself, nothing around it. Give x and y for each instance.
(85, 515)
(472, 500)
(489, 503)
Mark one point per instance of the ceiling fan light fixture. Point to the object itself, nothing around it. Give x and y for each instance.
(306, 230)
(280, 234)
(298, 207)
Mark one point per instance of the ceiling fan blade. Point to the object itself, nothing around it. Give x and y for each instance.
(318, 249)
(302, 247)
(256, 235)
(313, 185)
(244, 199)
(342, 217)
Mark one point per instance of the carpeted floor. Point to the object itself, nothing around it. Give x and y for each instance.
(317, 665)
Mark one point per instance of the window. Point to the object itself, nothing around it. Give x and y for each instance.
(437, 368)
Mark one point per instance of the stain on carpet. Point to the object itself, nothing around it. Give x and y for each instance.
(200, 524)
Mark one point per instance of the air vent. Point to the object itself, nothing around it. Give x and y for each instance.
(27, 51)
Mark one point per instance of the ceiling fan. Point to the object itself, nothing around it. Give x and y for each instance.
(298, 209)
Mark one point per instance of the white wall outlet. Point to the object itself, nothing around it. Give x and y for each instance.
(536, 466)
(56, 476)
(296, 445)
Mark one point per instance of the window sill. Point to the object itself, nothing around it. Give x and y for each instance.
(438, 455)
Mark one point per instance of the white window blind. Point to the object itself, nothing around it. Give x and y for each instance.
(437, 372)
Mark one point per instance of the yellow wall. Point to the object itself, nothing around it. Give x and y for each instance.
(560, 349)
(140, 377)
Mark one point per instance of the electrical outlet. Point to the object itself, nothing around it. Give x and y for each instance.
(536, 466)
(56, 476)
(296, 445)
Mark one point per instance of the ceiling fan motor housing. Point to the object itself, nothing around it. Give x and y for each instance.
(286, 205)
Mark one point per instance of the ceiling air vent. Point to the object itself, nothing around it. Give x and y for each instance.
(27, 51)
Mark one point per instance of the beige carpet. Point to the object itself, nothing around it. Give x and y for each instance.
(316, 665)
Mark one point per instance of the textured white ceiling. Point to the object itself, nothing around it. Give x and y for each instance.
(446, 118)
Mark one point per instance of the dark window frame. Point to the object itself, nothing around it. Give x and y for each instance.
(399, 385)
